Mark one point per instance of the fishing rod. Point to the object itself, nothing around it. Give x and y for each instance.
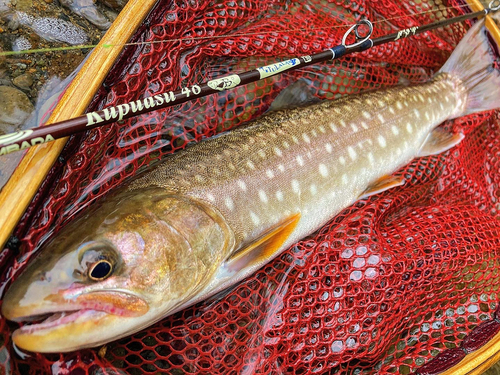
(362, 32)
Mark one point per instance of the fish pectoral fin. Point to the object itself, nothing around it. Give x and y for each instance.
(264, 248)
(382, 184)
(298, 94)
(439, 141)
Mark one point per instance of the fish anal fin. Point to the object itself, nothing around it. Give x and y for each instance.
(382, 184)
(264, 248)
(438, 141)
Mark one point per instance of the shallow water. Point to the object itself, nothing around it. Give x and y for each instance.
(31, 83)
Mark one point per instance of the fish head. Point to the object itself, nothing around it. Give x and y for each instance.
(120, 267)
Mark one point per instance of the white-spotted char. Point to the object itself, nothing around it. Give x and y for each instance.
(212, 214)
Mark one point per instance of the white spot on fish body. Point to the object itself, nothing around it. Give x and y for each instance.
(262, 154)
(313, 189)
(323, 170)
(371, 158)
(263, 196)
(409, 128)
(250, 165)
(345, 180)
(300, 160)
(369, 102)
(314, 133)
(381, 104)
(381, 118)
(342, 123)
(430, 100)
(255, 218)
(229, 203)
(329, 148)
(381, 141)
(270, 173)
(342, 160)
(427, 117)
(416, 112)
(210, 197)
(354, 128)
(399, 105)
(322, 129)
(279, 195)
(392, 110)
(306, 138)
(242, 185)
(295, 139)
(447, 99)
(334, 128)
(367, 115)
(295, 186)
(441, 106)
(364, 125)
(395, 130)
(421, 97)
(286, 145)
(281, 167)
(278, 152)
(352, 153)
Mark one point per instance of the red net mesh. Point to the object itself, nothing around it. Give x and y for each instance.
(389, 284)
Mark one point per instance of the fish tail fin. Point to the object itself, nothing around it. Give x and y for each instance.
(472, 62)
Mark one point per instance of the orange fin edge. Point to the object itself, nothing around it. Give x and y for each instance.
(265, 247)
(382, 184)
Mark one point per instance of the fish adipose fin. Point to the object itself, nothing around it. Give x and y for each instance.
(264, 248)
(439, 141)
(382, 184)
(472, 62)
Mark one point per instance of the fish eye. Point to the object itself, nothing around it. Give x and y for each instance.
(100, 270)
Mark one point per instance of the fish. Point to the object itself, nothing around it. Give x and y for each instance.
(214, 213)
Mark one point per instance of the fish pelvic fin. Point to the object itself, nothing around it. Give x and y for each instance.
(382, 184)
(265, 248)
(439, 141)
(472, 62)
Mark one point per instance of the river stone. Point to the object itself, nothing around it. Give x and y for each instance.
(15, 108)
(24, 81)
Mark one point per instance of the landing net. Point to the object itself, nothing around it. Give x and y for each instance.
(390, 283)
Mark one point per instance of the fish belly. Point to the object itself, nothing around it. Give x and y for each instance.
(311, 161)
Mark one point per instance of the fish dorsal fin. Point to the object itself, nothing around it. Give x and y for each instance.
(438, 141)
(264, 248)
(298, 94)
(382, 184)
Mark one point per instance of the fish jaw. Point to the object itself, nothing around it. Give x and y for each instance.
(86, 320)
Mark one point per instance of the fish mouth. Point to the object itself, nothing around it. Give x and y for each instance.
(63, 325)
(37, 323)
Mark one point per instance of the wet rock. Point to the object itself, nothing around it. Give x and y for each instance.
(87, 9)
(24, 81)
(15, 108)
(115, 4)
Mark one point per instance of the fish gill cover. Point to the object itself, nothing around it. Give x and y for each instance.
(390, 283)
